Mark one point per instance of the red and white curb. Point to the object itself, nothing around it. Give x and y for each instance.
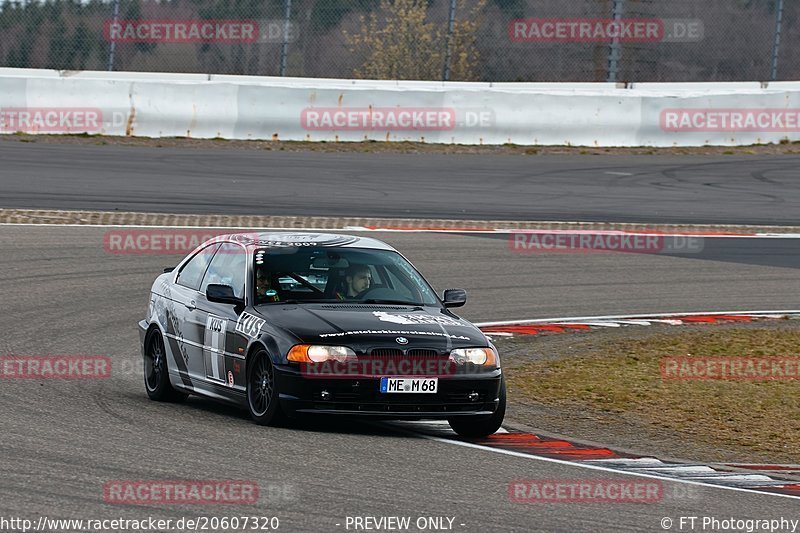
(291, 226)
(577, 231)
(793, 470)
(510, 328)
(755, 478)
(536, 447)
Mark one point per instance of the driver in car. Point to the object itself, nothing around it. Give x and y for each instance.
(358, 279)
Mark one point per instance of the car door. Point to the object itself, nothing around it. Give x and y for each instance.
(222, 363)
(184, 328)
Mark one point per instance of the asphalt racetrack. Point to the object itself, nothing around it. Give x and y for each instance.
(63, 293)
(62, 441)
(719, 189)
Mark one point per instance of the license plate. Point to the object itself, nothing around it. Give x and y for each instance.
(410, 385)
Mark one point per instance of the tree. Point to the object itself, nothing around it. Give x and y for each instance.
(401, 42)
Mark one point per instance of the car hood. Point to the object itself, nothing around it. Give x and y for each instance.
(363, 327)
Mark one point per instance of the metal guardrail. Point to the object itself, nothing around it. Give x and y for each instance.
(202, 106)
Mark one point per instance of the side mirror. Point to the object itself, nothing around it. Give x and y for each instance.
(222, 294)
(454, 297)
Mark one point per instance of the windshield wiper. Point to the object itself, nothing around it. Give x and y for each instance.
(389, 302)
(303, 301)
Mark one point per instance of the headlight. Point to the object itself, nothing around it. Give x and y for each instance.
(476, 356)
(312, 353)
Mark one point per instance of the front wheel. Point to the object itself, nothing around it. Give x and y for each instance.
(481, 425)
(156, 374)
(262, 395)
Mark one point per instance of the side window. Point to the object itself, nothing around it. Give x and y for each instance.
(227, 268)
(379, 278)
(400, 286)
(192, 272)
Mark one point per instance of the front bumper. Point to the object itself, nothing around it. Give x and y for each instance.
(362, 397)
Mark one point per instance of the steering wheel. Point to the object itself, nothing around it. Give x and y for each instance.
(377, 293)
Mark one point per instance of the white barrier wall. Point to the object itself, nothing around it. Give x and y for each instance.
(243, 107)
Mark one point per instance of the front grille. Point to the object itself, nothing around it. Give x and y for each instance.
(387, 352)
(422, 352)
(397, 352)
(393, 361)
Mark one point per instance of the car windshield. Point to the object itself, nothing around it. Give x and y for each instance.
(325, 274)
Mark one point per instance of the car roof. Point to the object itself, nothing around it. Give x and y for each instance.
(281, 239)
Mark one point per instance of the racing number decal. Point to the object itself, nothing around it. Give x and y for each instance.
(249, 325)
(214, 347)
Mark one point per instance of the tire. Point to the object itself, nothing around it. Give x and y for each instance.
(262, 394)
(481, 425)
(156, 373)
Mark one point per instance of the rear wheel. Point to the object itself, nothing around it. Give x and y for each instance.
(262, 395)
(156, 374)
(481, 425)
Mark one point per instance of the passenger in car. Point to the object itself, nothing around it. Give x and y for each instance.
(264, 291)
